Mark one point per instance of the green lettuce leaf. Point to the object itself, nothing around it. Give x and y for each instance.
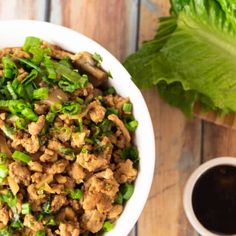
(192, 57)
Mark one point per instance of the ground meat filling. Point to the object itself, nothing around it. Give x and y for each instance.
(67, 156)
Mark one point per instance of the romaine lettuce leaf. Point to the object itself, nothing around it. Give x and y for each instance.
(192, 58)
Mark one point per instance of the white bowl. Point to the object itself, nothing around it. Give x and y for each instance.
(13, 33)
(188, 191)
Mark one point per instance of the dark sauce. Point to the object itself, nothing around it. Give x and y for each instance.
(214, 199)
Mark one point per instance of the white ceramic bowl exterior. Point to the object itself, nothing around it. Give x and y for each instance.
(13, 33)
(187, 199)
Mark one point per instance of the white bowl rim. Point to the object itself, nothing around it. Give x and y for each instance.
(58, 34)
(187, 196)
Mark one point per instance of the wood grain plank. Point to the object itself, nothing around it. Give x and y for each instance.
(22, 9)
(111, 23)
(218, 141)
(178, 144)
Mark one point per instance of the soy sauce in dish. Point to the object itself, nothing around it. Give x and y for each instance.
(214, 199)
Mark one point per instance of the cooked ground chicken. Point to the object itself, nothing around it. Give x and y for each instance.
(67, 160)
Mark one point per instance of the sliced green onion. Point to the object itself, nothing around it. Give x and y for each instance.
(67, 151)
(50, 117)
(51, 221)
(39, 54)
(84, 150)
(105, 126)
(97, 57)
(66, 62)
(110, 91)
(3, 171)
(131, 153)
(112, 111)
(20, 156)
(77, 194)
(30, 77)
(119, 198)
(80, 100)
(3, 157)
(47, 207)
(41, 93)
(109, 74)
(31, 41)
(9, 199)
(71, 108)
(127, 190)
(5, 231)
(107, 226)
(132, 125)
(11, 90)
(19, 88)
(127, 107)
(29, 114)
(9, 68)
(40, 233)
(30, 64)
(56, 107)
(50, 68)
(73, 77)
(16, 224)
(8, 131)
(26, 208)
(21, 123)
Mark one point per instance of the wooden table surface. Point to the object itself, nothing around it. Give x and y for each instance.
(121, 26)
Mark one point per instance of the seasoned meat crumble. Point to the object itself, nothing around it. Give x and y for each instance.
(67, 156)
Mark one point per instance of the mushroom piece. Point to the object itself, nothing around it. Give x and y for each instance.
(85, 62)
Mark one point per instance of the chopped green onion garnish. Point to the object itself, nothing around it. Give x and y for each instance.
(40, 233)
(105, 126)
(29, 114)
(132, 125)
(5, 231)
(131, 153)
(3, 157)
(41, 93)
(109, 74)
(56, 107)
(50, 68)
(80, 100)
(25, 209)
(47, 207)
(107, 226)
(51, 221)
(77, 194)
(3, 171)
(50, 117)
(21, 123)
(70, 75)
(9, 68)
(112, 111)
(110, 91)
(119, 198)
(9, 198)
(30, 64)
(127, 190)
(97, 57)
(8, 131)
(30, 77)
(31, 41)
(71, 108)
(16, 224)
(11, 90)
(84, 150)
(20, 156)
(127, 107)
